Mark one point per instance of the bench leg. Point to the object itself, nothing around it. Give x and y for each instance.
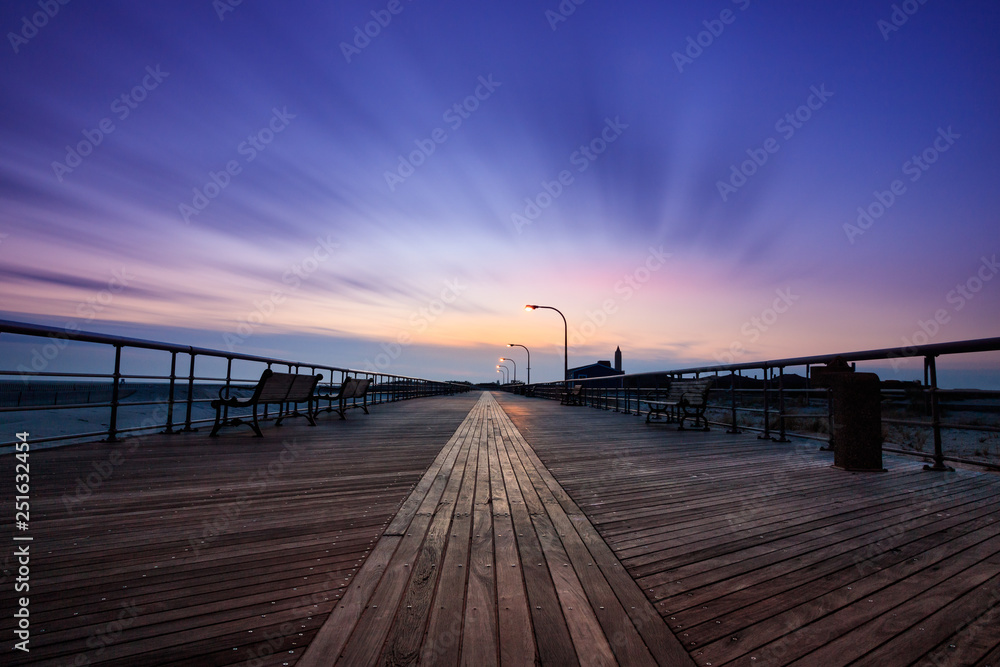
(218, 423)
(704, 421)
(255, 426)
(699, 417)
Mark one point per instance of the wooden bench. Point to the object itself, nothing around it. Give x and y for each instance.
(573, 396)
(684, 399)
(351, 388)
(280, 388)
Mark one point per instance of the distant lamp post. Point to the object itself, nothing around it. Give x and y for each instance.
(565, 338)
(502, 369)
(529, 358)
(515, 366)
(510, 376)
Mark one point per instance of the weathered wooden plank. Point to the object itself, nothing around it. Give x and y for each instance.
(696, 585)
(616, 625)
(840, 509)
(552, 633)
(971, 644)
(225, 557)
(592, 647)
(407, 634)
(370, 632)
(301, 526)
(334, 636)
(789, 534)
(761, 601)
(838, 591)
(971, 610)
(991, 659)
(516, 638)
(479, 632)
(636, 632)
(688, 534)
(433, 478)
(326, 647)
(443, 642)
(912, 600)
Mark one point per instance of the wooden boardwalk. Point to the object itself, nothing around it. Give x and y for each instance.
(498, 529)
(759, 553)
(497, 563)
(223, 551)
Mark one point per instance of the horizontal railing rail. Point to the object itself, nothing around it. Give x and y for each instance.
(768, 405)
(188, 386)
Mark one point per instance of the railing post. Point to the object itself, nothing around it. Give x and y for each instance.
(732, 400)
(170, 394)
(931, 366)
(781, 405)
(766, 435)
(113, 423)
(808, 384)
(830, 444)
(927, 383)
(266, 405)
(229, 376)
(190, 396)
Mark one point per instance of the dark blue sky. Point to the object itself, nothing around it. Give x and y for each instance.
(249, 162)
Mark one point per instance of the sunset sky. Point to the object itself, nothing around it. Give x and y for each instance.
(332, 181)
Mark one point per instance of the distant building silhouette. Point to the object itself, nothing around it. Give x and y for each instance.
(602, 368)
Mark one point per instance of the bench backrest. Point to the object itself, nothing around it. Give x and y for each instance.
(360, 388)
(281, 387)
(273, 387)
(347, 388)
(302, 387)
(693, 391)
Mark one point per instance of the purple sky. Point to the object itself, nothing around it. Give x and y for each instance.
(269, 179)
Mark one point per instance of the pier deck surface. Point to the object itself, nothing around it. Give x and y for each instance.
(489, 528)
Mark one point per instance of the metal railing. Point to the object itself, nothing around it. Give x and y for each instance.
(176, 396)
(769, 405)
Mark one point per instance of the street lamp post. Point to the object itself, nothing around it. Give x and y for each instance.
(529, 358)
(504, 370)
(565, 339)
(510, 376)
(515, 366)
